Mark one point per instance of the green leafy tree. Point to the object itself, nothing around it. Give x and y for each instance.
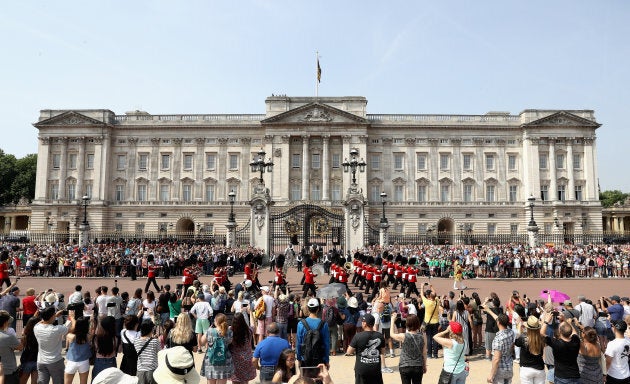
(7, 175)
(609, 198)
(23, 185)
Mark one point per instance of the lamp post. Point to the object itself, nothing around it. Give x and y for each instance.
(532, 222)
(84, 228)
(231, 224)
(352, 165)
(85, 201)
(383, 201)
(260, 165)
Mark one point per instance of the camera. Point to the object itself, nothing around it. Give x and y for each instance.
(65, 312)
(110, 305)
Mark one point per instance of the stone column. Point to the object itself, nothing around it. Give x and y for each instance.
(199, 165)
(259, 219)
(81, 167)
(502, 189)
(325, 168)
(434, 156)
(43, 169)
(63, 168)
(456, 170)
(590, 171)
(305, 168)
(383, 237)
(245, 171)
(478, 171)
(355, 223)
(154, 169)
(553, 177)
(222, 165)
(412, 194)
(176, 169)
(570, 194)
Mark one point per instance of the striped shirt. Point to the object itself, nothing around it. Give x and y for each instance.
(147, 360)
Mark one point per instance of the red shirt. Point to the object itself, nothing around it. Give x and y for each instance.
(28, 304)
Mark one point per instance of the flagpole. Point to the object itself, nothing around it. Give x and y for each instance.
(316, 77)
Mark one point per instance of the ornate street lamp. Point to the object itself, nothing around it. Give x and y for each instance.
(260, 165)
(85, 201)
(352, 165)
(531, 199)
(232, 196)
(383, 201)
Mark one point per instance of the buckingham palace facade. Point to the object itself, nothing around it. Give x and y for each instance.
(443, 173)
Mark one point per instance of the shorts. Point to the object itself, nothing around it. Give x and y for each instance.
(201, 326)
(261, 327)
(489, 338)
(73, 367)
(28, 367)
(551, 372)
(386, 333)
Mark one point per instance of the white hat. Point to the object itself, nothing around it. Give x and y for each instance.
(51, 298)
(114, 376)
(248, 283)
(353, 303)
(264, 288)
(176, 365)
(313, 303)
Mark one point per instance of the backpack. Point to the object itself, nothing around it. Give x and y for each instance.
(330, 316)
(216, 352)
(386, 316)
(313, 345)
(260, 312)
(218, 304)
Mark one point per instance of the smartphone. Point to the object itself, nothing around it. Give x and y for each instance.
(310, 372)
(110, 305)
(65, 312)
(244, 304)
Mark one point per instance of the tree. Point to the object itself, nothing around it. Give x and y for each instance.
(23, 185)
(17, 178)
(609, 198)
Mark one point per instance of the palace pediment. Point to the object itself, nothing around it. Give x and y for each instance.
(70, 118)
(315, 113)
(562, 119)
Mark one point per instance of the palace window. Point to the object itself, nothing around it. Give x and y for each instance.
(399, 193)
(72, 190)
(511, 162)
(335, 192)
(143, 161)
(233, 161)
(165, 162)
(468, 193)
(211, 161)
(421, 161)
(165, 192)
(119, 192)
(578, 193)
(543, 161)
(336, 160)
(422, 193)
(490, 193)
(375, 162)
(296, 192)
(577, 161)
(560, 161)
(56, 160)
(399, 161)
(444, 162)
(89, 161)
(72, 161)
(316, 192)
(445, 193)
(188, 162)
(375, 193)
(316, 161)
(210, 192)
(513, 193)
(489, 162)
(88, 189)
(544, 192)
(467, 162)
(142, 192)
(561, 192)
(121, 162)
(296, 160)
(187, 192)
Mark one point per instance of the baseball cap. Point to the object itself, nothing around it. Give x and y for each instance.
(369, 320)
(14, 289)
(568, 303)
(615, 298)
(456, 327)
(313, 303)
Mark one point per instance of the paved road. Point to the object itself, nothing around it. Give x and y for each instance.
(341, 366)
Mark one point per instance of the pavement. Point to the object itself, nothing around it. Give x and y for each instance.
(342, 367)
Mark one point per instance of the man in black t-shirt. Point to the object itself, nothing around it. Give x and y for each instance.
(369, 347)
(565, 350)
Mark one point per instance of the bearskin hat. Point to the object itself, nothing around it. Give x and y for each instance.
(308, 262)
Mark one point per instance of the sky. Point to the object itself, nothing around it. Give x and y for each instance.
(415, 57)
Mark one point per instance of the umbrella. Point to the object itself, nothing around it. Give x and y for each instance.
(556, 296)
(331, 291)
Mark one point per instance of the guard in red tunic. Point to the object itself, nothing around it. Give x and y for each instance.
(377, 278)
(334, 271)
(151, 274)
(369, 276)
(398, 267)
(412, 277)
(279, 279)
(4, 269)
(309, 279)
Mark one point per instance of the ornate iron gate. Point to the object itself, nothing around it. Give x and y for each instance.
(305, 225)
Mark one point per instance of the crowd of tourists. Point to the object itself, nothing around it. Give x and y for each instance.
(252, 331)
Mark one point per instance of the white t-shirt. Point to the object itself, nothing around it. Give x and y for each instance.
(411, 309)
(618, 350)
(202, 310)
(131, 335)
(101, 303)
(49, 338)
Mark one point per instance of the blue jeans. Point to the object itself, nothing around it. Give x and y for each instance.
(266, 373)
(102, 363)
(459, 378)
(282, 327)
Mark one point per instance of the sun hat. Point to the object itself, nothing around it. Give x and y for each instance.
(456, 327)
(282, 297)
(568, 303)
(114, 376)
(176, 365)
(264, 288)
(51, 298)
(532, 323)
(353, 303)
(313, 303)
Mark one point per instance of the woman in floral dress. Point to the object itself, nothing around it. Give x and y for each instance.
(244, 370)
